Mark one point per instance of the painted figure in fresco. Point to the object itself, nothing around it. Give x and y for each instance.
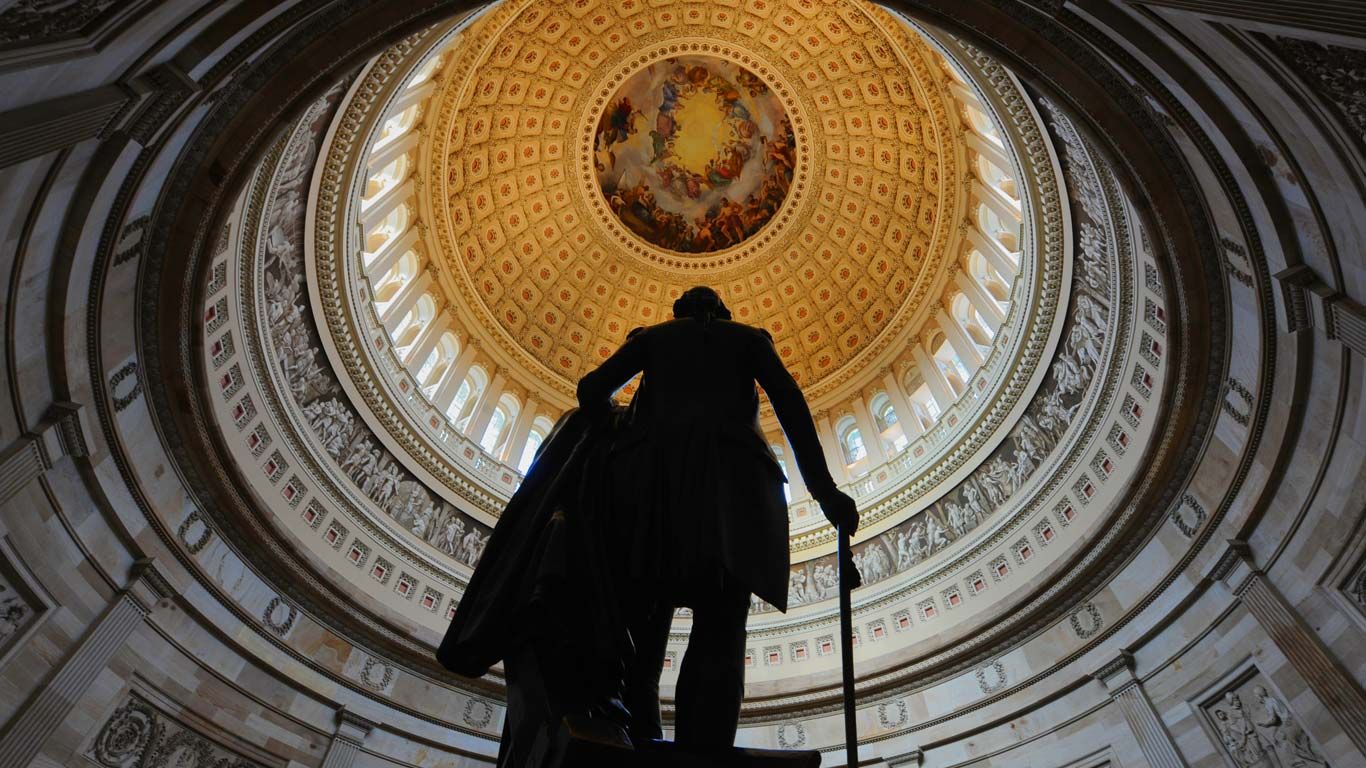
(617, 126)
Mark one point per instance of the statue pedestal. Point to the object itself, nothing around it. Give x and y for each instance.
(583, 753)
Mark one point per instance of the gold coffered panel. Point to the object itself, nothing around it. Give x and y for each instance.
(836, 267)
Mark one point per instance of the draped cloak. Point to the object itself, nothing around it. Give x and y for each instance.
(541, 599)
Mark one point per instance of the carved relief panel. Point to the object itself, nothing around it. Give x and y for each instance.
(1253, 726)
(138, 735)
(21, 605)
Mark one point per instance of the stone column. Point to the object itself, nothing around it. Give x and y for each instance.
(382, 261)
(454, 376)
(980, 300)
(347, 740)
(990, 150)
(406, 299)
(521, 429)
(997, 201)
(794, 475)
(1126, 690)
(994, 252)
(934, 376)
(1303, 648)
(59, 434)
(413, 96)
(905, 412)
(834, 456)
(872, 438)
(385, 204)
(483, 412)
(34, 724)
(428, 339)
(962, 342)
(391, 151)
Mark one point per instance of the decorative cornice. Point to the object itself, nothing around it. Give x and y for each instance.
(1122, 663)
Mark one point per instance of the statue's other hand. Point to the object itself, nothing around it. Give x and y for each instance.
(840, 510)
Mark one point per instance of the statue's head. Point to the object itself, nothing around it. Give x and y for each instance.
(701, 303)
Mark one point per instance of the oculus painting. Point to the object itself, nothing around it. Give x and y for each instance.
(694, 154)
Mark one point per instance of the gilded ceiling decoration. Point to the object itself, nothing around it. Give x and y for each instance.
(591, 160)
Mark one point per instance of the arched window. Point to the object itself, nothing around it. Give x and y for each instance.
(397, 125)
(883, 412)
(500, 424)
(980, 122)
(923, 402)
(425, 71)
(851, 441)
(385, 179)
(497, 422)
(428, 365)
(410, 327)
(540, 428)
(1007, 233)
(462, 396)
(977, 330)
(391, 226)
(392, 282)
(465, 397)
(984, 274)
(442, 355)
(951, 363)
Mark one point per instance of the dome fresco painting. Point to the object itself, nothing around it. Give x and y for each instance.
(695, 154)
(297, 298)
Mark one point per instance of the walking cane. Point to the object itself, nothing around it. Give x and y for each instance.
(849, 578)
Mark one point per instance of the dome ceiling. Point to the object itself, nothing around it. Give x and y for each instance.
(588, 163)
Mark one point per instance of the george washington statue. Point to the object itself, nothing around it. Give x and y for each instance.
(628, 514)
(695, 506)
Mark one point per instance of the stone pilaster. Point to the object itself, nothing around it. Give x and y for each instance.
(1311, 303)
(1336, 17)
(49, 707)
(59, 434)
(1302, 647)
(38, 129)
(1126, 690)
(346, 742)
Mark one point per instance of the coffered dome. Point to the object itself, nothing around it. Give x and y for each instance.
(298, 289)
(566, 215)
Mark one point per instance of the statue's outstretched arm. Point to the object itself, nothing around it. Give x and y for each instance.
(596, 387)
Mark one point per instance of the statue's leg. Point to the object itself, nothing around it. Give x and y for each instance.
(712, 680)
(650, 635)
(531, 721)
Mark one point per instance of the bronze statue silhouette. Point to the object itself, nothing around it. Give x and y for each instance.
(627, 515)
